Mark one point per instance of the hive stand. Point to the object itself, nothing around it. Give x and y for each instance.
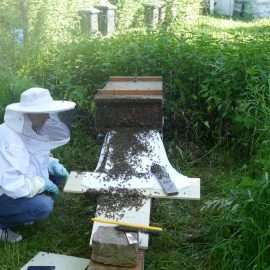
(154, 13)
(106, 17)
(142, 95)
(89, 20)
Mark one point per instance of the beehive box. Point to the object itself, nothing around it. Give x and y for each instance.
(127, 102)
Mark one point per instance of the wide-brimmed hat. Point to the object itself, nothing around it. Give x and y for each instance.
(39, 100)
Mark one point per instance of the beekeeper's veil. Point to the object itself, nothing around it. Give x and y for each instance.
(55, 130)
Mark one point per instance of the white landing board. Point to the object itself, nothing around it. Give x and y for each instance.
(61, 262)
(141, 216)
(188, 188)
(152, 152)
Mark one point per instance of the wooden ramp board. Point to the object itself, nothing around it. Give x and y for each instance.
(140, 84)
(135, 78)
(135, 92)
(141, 216)
(140, 163)
(80, 182)
(61, 262)
(151, 150)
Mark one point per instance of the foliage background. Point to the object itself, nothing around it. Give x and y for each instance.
(217, 94)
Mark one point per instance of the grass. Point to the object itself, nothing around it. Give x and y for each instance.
(67, 232)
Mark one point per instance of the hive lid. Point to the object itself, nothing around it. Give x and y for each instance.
(154, 3)
(90, 10)
(132, 87)
(105, 4)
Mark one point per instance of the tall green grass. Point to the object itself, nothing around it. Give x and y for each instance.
(239, 226)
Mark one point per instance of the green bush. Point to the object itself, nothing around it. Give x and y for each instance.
(215, 90)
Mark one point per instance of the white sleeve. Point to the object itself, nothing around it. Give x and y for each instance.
(16, 185)
(14, 181)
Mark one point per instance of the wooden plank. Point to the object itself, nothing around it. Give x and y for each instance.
(141, 260)
(128, 92)
(134, 78)
(188, 188)
(131, 85)
(131, 99)
(61, 262)
(141, 216)
(74, 183)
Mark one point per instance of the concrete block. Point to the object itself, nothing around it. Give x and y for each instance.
(111, 247)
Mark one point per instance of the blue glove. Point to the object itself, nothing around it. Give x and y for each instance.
(57, 169)
(51, 187)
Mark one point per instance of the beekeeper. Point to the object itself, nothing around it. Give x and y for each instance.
(28, 173)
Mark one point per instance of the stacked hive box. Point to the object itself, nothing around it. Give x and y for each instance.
(130, 102)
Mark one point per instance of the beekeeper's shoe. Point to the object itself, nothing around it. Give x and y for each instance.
(9, 236)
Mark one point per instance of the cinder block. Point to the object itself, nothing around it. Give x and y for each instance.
(110, 247)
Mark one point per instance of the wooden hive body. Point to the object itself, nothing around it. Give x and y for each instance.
(130, 102)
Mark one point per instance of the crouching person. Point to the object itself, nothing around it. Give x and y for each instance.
(29, 176)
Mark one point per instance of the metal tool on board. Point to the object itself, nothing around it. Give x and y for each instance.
(164, 179)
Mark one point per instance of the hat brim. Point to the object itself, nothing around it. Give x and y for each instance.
(54, 106)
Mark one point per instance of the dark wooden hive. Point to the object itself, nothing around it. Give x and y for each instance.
(130, 102)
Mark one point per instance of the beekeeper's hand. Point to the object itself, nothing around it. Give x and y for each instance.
(57, 169)
(51, 187)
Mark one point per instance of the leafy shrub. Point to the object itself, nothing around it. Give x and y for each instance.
(215, 90)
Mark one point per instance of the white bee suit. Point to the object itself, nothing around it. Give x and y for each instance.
(25, 153)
